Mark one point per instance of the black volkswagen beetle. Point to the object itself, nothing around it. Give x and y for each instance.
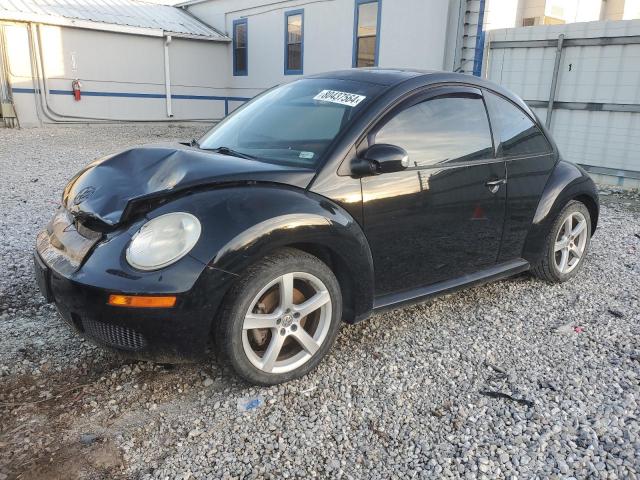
(319, 201)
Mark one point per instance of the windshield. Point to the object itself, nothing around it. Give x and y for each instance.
(293, 124)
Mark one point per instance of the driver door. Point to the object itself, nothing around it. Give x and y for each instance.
(442, 217)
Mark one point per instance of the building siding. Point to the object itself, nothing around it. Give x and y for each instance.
(122, 76)
(413, 34)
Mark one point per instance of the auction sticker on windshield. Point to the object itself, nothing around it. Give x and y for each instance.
(343, 98)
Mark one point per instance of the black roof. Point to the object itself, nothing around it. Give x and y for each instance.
(390, 77)
(393, 76)
(378, 76)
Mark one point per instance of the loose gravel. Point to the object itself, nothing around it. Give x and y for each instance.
(517, 379)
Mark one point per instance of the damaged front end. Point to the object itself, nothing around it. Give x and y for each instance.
(65, 243)
(80, 269)
(113, 190)
(83, 256)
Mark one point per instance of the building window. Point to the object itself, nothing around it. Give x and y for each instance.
(240, 47)
(293, 42)
(366, 35)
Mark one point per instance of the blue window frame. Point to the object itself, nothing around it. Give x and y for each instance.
(294, 42)
(240, 47)
(366, 33)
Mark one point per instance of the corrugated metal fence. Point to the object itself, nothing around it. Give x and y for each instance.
(583, 81)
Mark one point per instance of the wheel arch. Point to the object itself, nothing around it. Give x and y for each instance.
(242, 225)
(592, 206)
(354, 296)
(357, 296)
(567, 182)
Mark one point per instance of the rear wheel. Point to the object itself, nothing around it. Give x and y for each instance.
(566, 244)
(280, 318)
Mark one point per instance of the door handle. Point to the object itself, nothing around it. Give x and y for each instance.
(494, 185)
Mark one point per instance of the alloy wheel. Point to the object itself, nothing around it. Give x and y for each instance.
(570, 243)
(287, 322)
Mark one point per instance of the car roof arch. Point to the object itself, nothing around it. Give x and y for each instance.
(400, 84)
(400, 78)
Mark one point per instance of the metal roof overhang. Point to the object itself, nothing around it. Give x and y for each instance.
(101, 26)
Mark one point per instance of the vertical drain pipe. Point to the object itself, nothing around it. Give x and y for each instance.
(554, 81)
(7, 109)
(167, 75)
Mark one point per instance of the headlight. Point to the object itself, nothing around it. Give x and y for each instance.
(163, 241)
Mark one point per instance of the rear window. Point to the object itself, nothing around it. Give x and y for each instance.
(517, 134)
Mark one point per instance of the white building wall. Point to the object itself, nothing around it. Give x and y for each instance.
(104, 62)
(614, 9)
(532, 8)
(198, 68)
(20, 73)
(506, 13)
(413, 33)
(499, 14)
(122, 76)
(510, 13)
(589, 74)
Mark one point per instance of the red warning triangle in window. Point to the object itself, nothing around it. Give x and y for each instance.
(478, 213)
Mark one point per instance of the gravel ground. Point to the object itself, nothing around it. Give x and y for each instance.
(516, 379)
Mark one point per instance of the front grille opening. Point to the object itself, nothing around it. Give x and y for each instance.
(114, 335)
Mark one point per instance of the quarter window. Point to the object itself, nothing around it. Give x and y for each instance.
(294, 41)
(451, 128)
(240, 47)
(367, 32)
(517, 134)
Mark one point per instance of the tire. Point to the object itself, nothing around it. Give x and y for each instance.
(550, 266)
(292, 337)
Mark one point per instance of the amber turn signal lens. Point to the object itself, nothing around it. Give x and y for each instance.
(141, 302)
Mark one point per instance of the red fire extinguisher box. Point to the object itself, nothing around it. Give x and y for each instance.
(76, 86)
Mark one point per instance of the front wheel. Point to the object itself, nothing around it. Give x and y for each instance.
(566, 244)
(280, 318)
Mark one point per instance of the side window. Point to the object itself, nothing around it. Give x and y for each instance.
(452, 128)
(516, 132)
(240, 47)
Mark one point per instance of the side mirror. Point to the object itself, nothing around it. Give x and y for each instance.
(381, 158)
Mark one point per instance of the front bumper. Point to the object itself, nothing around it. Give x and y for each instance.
(159, 334)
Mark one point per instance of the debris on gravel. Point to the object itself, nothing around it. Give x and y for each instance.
(516, 379)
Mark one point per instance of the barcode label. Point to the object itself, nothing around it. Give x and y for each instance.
(343, 98)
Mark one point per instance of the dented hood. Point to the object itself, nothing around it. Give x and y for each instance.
(107, 187)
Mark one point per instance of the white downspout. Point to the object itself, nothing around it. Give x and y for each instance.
(167, 75)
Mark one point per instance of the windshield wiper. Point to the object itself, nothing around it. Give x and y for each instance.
(232, 153)
(192, 143)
